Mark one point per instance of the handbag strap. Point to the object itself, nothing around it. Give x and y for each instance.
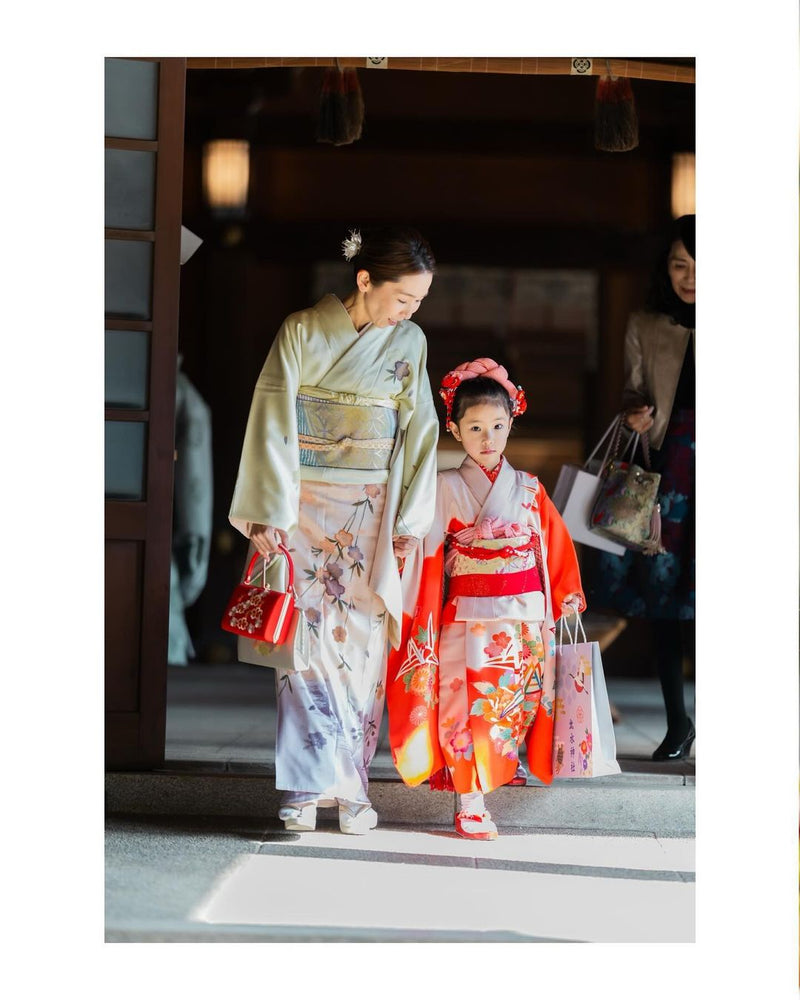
(646, 449)
(257, 555)
(614, 432)
(612, 429)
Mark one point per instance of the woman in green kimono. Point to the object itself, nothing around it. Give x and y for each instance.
(339, 465)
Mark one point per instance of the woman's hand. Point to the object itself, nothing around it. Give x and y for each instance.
(640, 419)
(403, 544)
(266, 539)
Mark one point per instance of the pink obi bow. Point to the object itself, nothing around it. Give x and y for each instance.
(491, 527)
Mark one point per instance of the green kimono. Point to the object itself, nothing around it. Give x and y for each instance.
(339, 452)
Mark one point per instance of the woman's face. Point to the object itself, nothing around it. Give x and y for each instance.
(393, 301)
(680, 267)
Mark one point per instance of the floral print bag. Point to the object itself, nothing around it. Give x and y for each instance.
(584, 745)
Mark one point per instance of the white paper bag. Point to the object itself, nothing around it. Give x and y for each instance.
(290, 655)
(584, 745)
(574, 496)
(293, 654)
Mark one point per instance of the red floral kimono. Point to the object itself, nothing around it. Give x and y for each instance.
(474, 676)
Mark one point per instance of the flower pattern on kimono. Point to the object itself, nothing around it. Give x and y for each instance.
(459, 740)
(496, 701)
(315, 741)
(333, 588)
(508, 708)
(532, 645)
(500, 641)
(401, 370)
(422, 681)
(418, 715)
(340, 634)
(313, 618)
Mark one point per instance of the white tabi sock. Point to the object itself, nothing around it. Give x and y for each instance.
(472, 803)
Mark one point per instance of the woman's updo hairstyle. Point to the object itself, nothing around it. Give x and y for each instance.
(475, 392)
(389, 253)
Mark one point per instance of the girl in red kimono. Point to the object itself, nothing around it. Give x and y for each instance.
(474, 677)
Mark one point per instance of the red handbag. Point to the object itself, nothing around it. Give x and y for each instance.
(261, 612)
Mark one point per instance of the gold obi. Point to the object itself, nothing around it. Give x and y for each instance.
(341, 430)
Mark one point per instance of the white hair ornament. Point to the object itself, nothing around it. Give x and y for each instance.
(351, 247)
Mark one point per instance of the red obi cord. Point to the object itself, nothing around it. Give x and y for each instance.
(495, 584)
(475, 552)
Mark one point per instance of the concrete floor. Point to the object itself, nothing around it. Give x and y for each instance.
(194, 853)
(227, 879)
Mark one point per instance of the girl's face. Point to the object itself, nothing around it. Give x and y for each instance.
(680, 267)
(393, 301)
(483, 431)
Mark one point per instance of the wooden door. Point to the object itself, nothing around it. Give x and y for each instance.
(144, 125)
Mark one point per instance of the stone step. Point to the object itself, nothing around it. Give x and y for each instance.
(631, 802)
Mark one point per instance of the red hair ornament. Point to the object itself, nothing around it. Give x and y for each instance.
(486, 368)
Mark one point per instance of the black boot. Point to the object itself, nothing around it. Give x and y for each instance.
(669, 658)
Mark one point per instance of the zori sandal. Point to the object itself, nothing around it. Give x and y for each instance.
(475, 827)
(299, 819)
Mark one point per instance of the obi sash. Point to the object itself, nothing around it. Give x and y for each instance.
(492, 567)
(341, 430)
(495, 584)
(494, 578)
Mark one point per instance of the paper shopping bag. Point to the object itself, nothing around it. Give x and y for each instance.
(574, 496)
(584, 745)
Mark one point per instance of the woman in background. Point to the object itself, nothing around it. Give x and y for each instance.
(659, 399)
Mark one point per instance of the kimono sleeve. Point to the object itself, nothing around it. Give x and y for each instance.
(412, 675)
(635, 392)
(416, 511)
(267, 487)
(562, 562)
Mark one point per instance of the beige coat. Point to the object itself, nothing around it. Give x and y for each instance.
(654, 351)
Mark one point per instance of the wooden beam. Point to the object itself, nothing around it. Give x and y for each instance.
(635, 69)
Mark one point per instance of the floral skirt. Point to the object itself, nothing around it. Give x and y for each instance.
(329, 715)
(638, 586)
(491, 685)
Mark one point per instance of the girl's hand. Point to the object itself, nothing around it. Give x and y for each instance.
(571, 604)
(640, 419)
(403, 544)
(266, 539)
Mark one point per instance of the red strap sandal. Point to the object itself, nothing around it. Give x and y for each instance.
(475, 827)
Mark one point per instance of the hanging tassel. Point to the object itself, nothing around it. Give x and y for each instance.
(332, 117)
(616, 125)
(652, 545)
(325, 114)
(354, 103)
(341, 107)
(441, 781)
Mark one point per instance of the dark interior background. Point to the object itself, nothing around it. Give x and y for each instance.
(501, 174)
